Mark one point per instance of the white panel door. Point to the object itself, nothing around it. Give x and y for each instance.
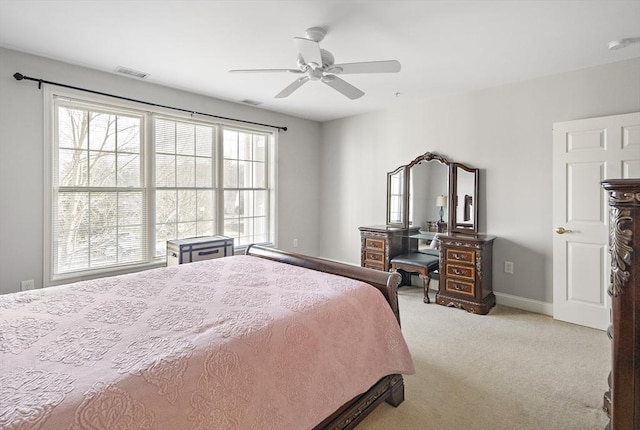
(586, 152)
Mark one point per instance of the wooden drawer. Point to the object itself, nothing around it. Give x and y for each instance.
(462, 255)
(372, 243)
(462, 271)
(375, 266)
(373, 257)
(461, 287)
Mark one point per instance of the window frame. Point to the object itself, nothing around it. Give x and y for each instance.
(267, 178)
(215, 184)
(147, 160)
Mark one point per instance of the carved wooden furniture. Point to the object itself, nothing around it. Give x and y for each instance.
(417, 262)
(622, 401)
(380, 243)
(413, 189)
(465, 273)
(412, 193)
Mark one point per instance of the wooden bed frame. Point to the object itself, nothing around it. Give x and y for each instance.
(391, 387)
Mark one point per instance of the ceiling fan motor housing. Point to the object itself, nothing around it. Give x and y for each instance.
(316, 33)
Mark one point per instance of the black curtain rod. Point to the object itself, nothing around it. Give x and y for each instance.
(20, 77)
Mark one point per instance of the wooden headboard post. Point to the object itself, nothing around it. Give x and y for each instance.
(387, 283)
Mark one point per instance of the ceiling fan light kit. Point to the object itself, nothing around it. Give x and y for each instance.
(318, 65)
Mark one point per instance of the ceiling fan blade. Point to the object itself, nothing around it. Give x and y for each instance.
(390, 66)
(342, 86)
(292, 87)
(265, 70)
(309, 50)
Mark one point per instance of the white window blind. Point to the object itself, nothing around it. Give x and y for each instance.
(184, 174)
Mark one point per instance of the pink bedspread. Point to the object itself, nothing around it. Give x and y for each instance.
(239, 342)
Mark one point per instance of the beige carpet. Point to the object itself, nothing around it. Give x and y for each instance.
(507, 370)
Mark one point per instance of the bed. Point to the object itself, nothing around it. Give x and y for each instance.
(266, 340)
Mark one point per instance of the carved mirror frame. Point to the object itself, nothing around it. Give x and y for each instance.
(397, 179)
(463, 204)
(468, 204)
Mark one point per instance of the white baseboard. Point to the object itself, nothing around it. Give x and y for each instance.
(529, 305)
(525, 304)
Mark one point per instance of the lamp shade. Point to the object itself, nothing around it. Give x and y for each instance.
(441, 201)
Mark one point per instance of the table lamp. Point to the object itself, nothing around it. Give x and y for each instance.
(441, 202)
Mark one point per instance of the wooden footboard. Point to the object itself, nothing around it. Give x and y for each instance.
(387, 283)
(391, 387)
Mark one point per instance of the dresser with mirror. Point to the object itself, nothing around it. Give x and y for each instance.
(432, 209)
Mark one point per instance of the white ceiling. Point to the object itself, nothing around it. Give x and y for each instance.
(445, 47)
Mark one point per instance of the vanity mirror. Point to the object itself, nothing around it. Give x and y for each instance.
(415, 195)
(396, 196)
(427, 192)
(463, 216)
(427, 196)
(433, 194)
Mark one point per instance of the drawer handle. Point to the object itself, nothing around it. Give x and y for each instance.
(457, 287)
(457, 256)
(214, 251)
(458, 271)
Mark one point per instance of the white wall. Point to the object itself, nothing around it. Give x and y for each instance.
(505, 131)
(21, 158)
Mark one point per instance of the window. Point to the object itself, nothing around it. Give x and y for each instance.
(123, 182)
(184, 194)
(99, 200)
(246, 195)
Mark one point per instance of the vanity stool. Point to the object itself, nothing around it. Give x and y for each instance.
(416, 262)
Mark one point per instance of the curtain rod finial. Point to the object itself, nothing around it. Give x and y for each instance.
(18, 76)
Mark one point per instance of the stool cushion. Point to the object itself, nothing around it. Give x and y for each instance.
(430, 262)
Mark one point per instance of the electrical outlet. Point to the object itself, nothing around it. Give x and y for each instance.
(27, 285)
(295, 243)
(508, 267)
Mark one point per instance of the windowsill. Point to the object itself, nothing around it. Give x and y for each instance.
(104, 273)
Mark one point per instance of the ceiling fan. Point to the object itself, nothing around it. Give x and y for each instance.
(317, 64)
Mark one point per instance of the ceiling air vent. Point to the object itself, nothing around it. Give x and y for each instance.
(250, 102)
(131, 72)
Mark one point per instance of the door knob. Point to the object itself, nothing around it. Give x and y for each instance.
(562, 230)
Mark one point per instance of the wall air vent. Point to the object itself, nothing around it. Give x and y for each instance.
(131, 72)
(250, 102)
